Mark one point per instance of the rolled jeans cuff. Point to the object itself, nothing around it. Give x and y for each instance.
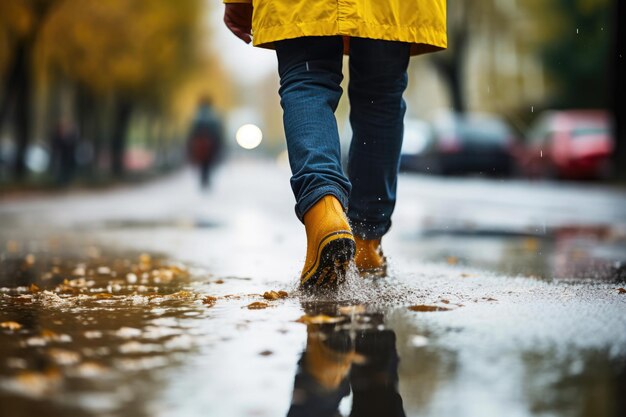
(315, 195)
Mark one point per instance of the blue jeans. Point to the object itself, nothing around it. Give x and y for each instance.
(310, 78)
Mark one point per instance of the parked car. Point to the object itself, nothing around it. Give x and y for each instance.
(572, 144)
(470, 143)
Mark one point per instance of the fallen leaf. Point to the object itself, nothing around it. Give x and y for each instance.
(452, 260)
(621, 291)
(464, 275)
(209, 301)
(180, 294)
(266, 353)
(257, 305)
(319, 319)
(50, 336)
(427, 308)
(34, 288)
(275, 295)
(11, 325)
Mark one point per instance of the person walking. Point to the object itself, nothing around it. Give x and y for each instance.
(345, 217)
(205, 140)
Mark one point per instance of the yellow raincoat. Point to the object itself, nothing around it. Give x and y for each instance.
(419, 22)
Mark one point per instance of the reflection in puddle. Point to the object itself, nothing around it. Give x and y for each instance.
(353, 354)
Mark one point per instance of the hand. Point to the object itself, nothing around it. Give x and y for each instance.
(238, 18)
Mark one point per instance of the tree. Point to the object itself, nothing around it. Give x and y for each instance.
(133, 52)
(450, 64)
(23, 21)
(573, 43)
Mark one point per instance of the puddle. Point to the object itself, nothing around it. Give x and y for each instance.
(576, 252)
(99, 331)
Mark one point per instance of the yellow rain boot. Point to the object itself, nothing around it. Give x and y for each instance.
(330, 244)
(369, 257)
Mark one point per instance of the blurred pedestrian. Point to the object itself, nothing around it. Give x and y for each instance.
(310, 38)
(64, 143)
(205, 141)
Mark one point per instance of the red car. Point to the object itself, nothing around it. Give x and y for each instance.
(572, 144)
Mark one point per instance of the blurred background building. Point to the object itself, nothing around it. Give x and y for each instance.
(125, 77)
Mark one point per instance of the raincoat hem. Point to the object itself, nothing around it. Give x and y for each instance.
(423, 40)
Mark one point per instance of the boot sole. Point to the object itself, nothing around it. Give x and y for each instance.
(334, 254)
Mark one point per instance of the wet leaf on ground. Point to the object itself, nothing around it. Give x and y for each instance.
(257, 305)
(275, 295)
(621, 291)
(428, 308)
(209, 301)
(319, 319)
(50, 336)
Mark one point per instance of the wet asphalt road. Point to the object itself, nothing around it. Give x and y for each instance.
(504, 299)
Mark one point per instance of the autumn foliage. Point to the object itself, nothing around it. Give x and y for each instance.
(102, 64)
